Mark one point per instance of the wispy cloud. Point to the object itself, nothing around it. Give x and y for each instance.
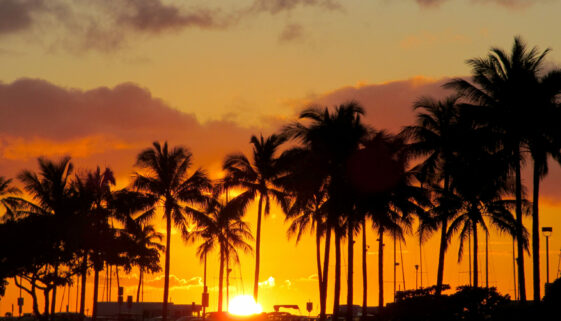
(292, 33)
(107, 25)
(512, 4)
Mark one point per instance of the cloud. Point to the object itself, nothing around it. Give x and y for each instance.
(277, 6)
(291, 33)
(269, 283)
(107, 25)
(512, 4)
(430, 3)
(102, 126)
(388, 105)
(174, 282)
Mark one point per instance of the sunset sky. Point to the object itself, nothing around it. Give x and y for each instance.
(101, 80)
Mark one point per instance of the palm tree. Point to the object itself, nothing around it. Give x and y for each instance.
(543, 141)
(332, 137)
(391, 198)
(434, 137)
(8, 199)
(147, 242)
(164, 177)
(51, 191)
(221, 226)
(257, 178)
(93, 191)
(503, 86)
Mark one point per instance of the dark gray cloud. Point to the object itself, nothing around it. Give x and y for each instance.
(17, 15)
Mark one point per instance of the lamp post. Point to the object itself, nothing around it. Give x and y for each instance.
(547, 233)
(416, 276)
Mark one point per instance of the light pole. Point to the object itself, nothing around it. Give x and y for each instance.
(416, 276)
(547, 233)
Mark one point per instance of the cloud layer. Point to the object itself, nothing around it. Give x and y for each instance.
(107, 25)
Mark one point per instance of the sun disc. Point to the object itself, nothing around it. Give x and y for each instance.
(244, 305)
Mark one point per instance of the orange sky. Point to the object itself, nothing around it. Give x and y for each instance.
(100, 81)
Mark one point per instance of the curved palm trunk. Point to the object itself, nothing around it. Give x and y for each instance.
(95, 294)
(364, 272)
(166, 268)
(381, 267)
(519, 236)
(53, 301)
(139, 285)
(443, 244)
(83, 286)
(337, 290)
(475, 267)
(257, 249)
(536, 234)
(318, 260)
(47, 305)
(323, 292)
(220, 279)
(350, 258)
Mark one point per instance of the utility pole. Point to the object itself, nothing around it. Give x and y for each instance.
(487, 260)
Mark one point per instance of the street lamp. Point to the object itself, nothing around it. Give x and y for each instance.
(547, 233)
(416, 276)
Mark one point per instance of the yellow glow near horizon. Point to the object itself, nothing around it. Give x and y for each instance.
(244, 305)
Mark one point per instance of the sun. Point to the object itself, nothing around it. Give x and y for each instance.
(244, 305)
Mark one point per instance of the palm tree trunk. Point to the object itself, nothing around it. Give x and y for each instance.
(53, 301)
(318, 259)
(475, 274)
(257, 249)
(381, 267)
(36, 312)
(95, 294)
(519, 236)
(46, 306)
(350, 267)
(536, 234)
(139, 284)
(443, 244)
(323, 292)
(337, 289)
(220, 279)
(83, 287)
(364, 272)
(166, 268)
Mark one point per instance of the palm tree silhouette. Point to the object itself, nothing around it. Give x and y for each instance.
(8, 199)
(390, 199)
(257, 178)
(333, 138)
(147, 241)
(164, 177)
(434, 135)
(479, 179)
(50, 189)
(221, 226)
(502, 87)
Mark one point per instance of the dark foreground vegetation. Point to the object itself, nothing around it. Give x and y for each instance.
(456, 172)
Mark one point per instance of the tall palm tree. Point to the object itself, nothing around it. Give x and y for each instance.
(542, 141)
(257, 178)
(391, 198)
(164, 176)
(434, 138)
(333, 137)
(503, 86)
(51, 191)
(221, 227)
